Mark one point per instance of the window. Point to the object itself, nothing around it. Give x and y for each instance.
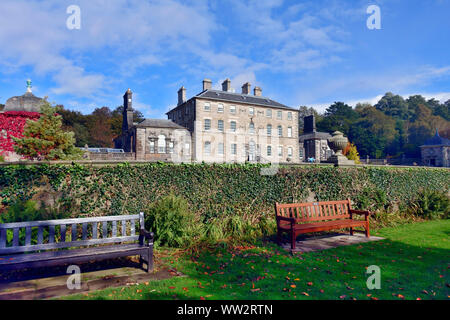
(289, 115)
(251, 111)
(161, 144)
(233, 109)
(220, 125)
(300, 153)
(207, 149)
(171, 147)
(220, 149)
(220, 107)
(290, 152)
(186, 110)
(207, 124)
(269, 129)
(187, 147)
(269, 151)
(207, 106)
(279, 115)
(251, 128)
(233, 126)
(234, 148)
(280, 151)
(289, 132)
(152, 146)
(269, 113)
(280, 131)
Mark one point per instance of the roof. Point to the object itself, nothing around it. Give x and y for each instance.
(437, 140)
(159, 123)
(240, 98)
(27, 102)
(315, 135)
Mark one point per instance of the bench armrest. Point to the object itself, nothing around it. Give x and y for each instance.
(146, 235)
(366, 213)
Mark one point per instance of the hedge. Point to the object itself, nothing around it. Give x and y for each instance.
(211, 190)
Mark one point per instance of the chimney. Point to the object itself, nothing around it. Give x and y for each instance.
(181, 95)
(226, 85)
(207, 84)
(257, 91)
(309, 124)
(246, 88)
(127, 115)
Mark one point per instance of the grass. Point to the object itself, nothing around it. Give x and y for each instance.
(414, 262)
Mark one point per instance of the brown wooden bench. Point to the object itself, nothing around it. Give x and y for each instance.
(47, 243)
(298, 218)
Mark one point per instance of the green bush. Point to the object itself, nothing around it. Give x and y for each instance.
(172, 222)
(431, 204)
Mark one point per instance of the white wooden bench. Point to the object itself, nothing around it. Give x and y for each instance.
(33, 244)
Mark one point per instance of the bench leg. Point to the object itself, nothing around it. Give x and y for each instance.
(293, 238)
(150, 259)
(367, 232)
(351, 231)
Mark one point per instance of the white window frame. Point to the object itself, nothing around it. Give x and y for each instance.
(289, 116)
(220, 108)
(204, 124)
(207, 106)
(280, 130)
(280, 151)
(269, 113)
(279, 115)
(289, 132)
(231, 126)
(269, 130)
(233, 109)
(220, 149)
(233, 148)
(251, 111)
(207, 148)
(219, 127)
(269, 151)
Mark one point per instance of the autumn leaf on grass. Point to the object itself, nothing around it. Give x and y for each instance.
(171, 288)
(293, 286)
(305, 294)
(309, 283)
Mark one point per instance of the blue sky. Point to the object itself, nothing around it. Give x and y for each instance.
(300, 52)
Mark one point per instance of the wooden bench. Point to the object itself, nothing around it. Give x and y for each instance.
(298, 218)
(47, 243)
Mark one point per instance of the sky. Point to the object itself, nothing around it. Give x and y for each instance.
(299, 52)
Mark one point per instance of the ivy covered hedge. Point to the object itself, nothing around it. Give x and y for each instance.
(211, 190)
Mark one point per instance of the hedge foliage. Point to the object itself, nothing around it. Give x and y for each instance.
(212, 191)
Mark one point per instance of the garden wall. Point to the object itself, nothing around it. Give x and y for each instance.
(212, 190)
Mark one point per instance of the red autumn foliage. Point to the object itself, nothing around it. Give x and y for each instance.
(11, 125)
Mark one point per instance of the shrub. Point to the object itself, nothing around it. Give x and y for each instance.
(431, 204)
(172, 222)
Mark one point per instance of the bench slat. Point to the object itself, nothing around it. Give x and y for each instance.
(133, 227)
(95, 230)
(2, 238)
(74, 232)
(15, 237)
(84, 231)
(124, 227)
(51, 234)
(104, 229)
(114, 229)
(62, 232)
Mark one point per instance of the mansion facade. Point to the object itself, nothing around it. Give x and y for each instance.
(218, 126)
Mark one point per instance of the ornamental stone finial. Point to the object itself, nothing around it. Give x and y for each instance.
(29, 85)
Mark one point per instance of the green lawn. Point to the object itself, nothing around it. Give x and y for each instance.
(414, 262)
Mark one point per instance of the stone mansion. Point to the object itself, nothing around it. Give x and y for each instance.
(215, 126)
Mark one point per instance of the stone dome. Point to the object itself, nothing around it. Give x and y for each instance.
(27, 102)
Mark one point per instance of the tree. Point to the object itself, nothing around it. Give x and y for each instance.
(44, 139)
(351, 153)
(338, 117)
(394, 106)
(2, 106)
(373, 132)
(116, 120)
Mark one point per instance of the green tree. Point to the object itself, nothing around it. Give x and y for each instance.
(44, 139)
(338, 117)
(394, 106)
